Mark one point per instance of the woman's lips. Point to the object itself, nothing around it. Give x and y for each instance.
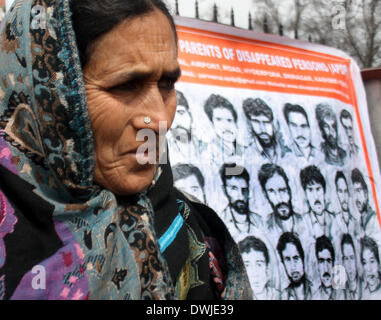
(143, 154)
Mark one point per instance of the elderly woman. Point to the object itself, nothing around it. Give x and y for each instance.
(83, 216)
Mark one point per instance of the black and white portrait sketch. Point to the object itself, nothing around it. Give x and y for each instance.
(279, 170)
(347, 123)
(183, 145)
(275, 186)
(256, 257)
(237, 215)
(266, 142)
(189, 179)
(353, 286)
(300, 131)
(345, 221)
(223, 117)
(326, 118)
(370, 260)
(325, 256)
(319, 219)
(291, 254)
(368, 219)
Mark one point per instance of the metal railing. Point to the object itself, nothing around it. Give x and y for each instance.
(250, 26)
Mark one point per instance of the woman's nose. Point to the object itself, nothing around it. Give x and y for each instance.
(155, 114)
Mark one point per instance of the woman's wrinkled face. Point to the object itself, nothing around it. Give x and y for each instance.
(129, 76)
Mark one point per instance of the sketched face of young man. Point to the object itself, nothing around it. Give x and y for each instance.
(361, 196)
(371, 267)
(343, 194)
(315, 197)
(279, 197)
(257, 269)
(182, 122)
(299, 129)
(237, 192)
(348, 128)
(224, 124)
(263, 129)
(329, 128)
(293, 263)
(192, 186)
(349, 261)
(325, 266)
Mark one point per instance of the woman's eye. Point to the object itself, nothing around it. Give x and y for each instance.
(127, 86)
(167, 84)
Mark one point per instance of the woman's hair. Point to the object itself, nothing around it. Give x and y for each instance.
(93, 18)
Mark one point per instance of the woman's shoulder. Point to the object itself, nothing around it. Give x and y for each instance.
(213, 228)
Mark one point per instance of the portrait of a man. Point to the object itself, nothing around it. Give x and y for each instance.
(291, 253)
(319, 219)
(237, 215)
(300, 131)
(256, 257)
(370, 260)
(276, 188)
(266, 139)
(325, 256)
(344, 219)
(223, 117)
(189, 179)
(327, 121)
(347, 123)
(183, 145)
(353, 286)
(361, 197)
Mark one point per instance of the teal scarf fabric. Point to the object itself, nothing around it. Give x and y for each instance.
(61, 235)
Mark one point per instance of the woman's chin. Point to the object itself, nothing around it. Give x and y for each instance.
(129, 183)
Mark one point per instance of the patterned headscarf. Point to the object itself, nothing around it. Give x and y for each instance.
(90, 244)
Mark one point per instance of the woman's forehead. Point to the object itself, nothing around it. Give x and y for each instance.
(146, 37)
